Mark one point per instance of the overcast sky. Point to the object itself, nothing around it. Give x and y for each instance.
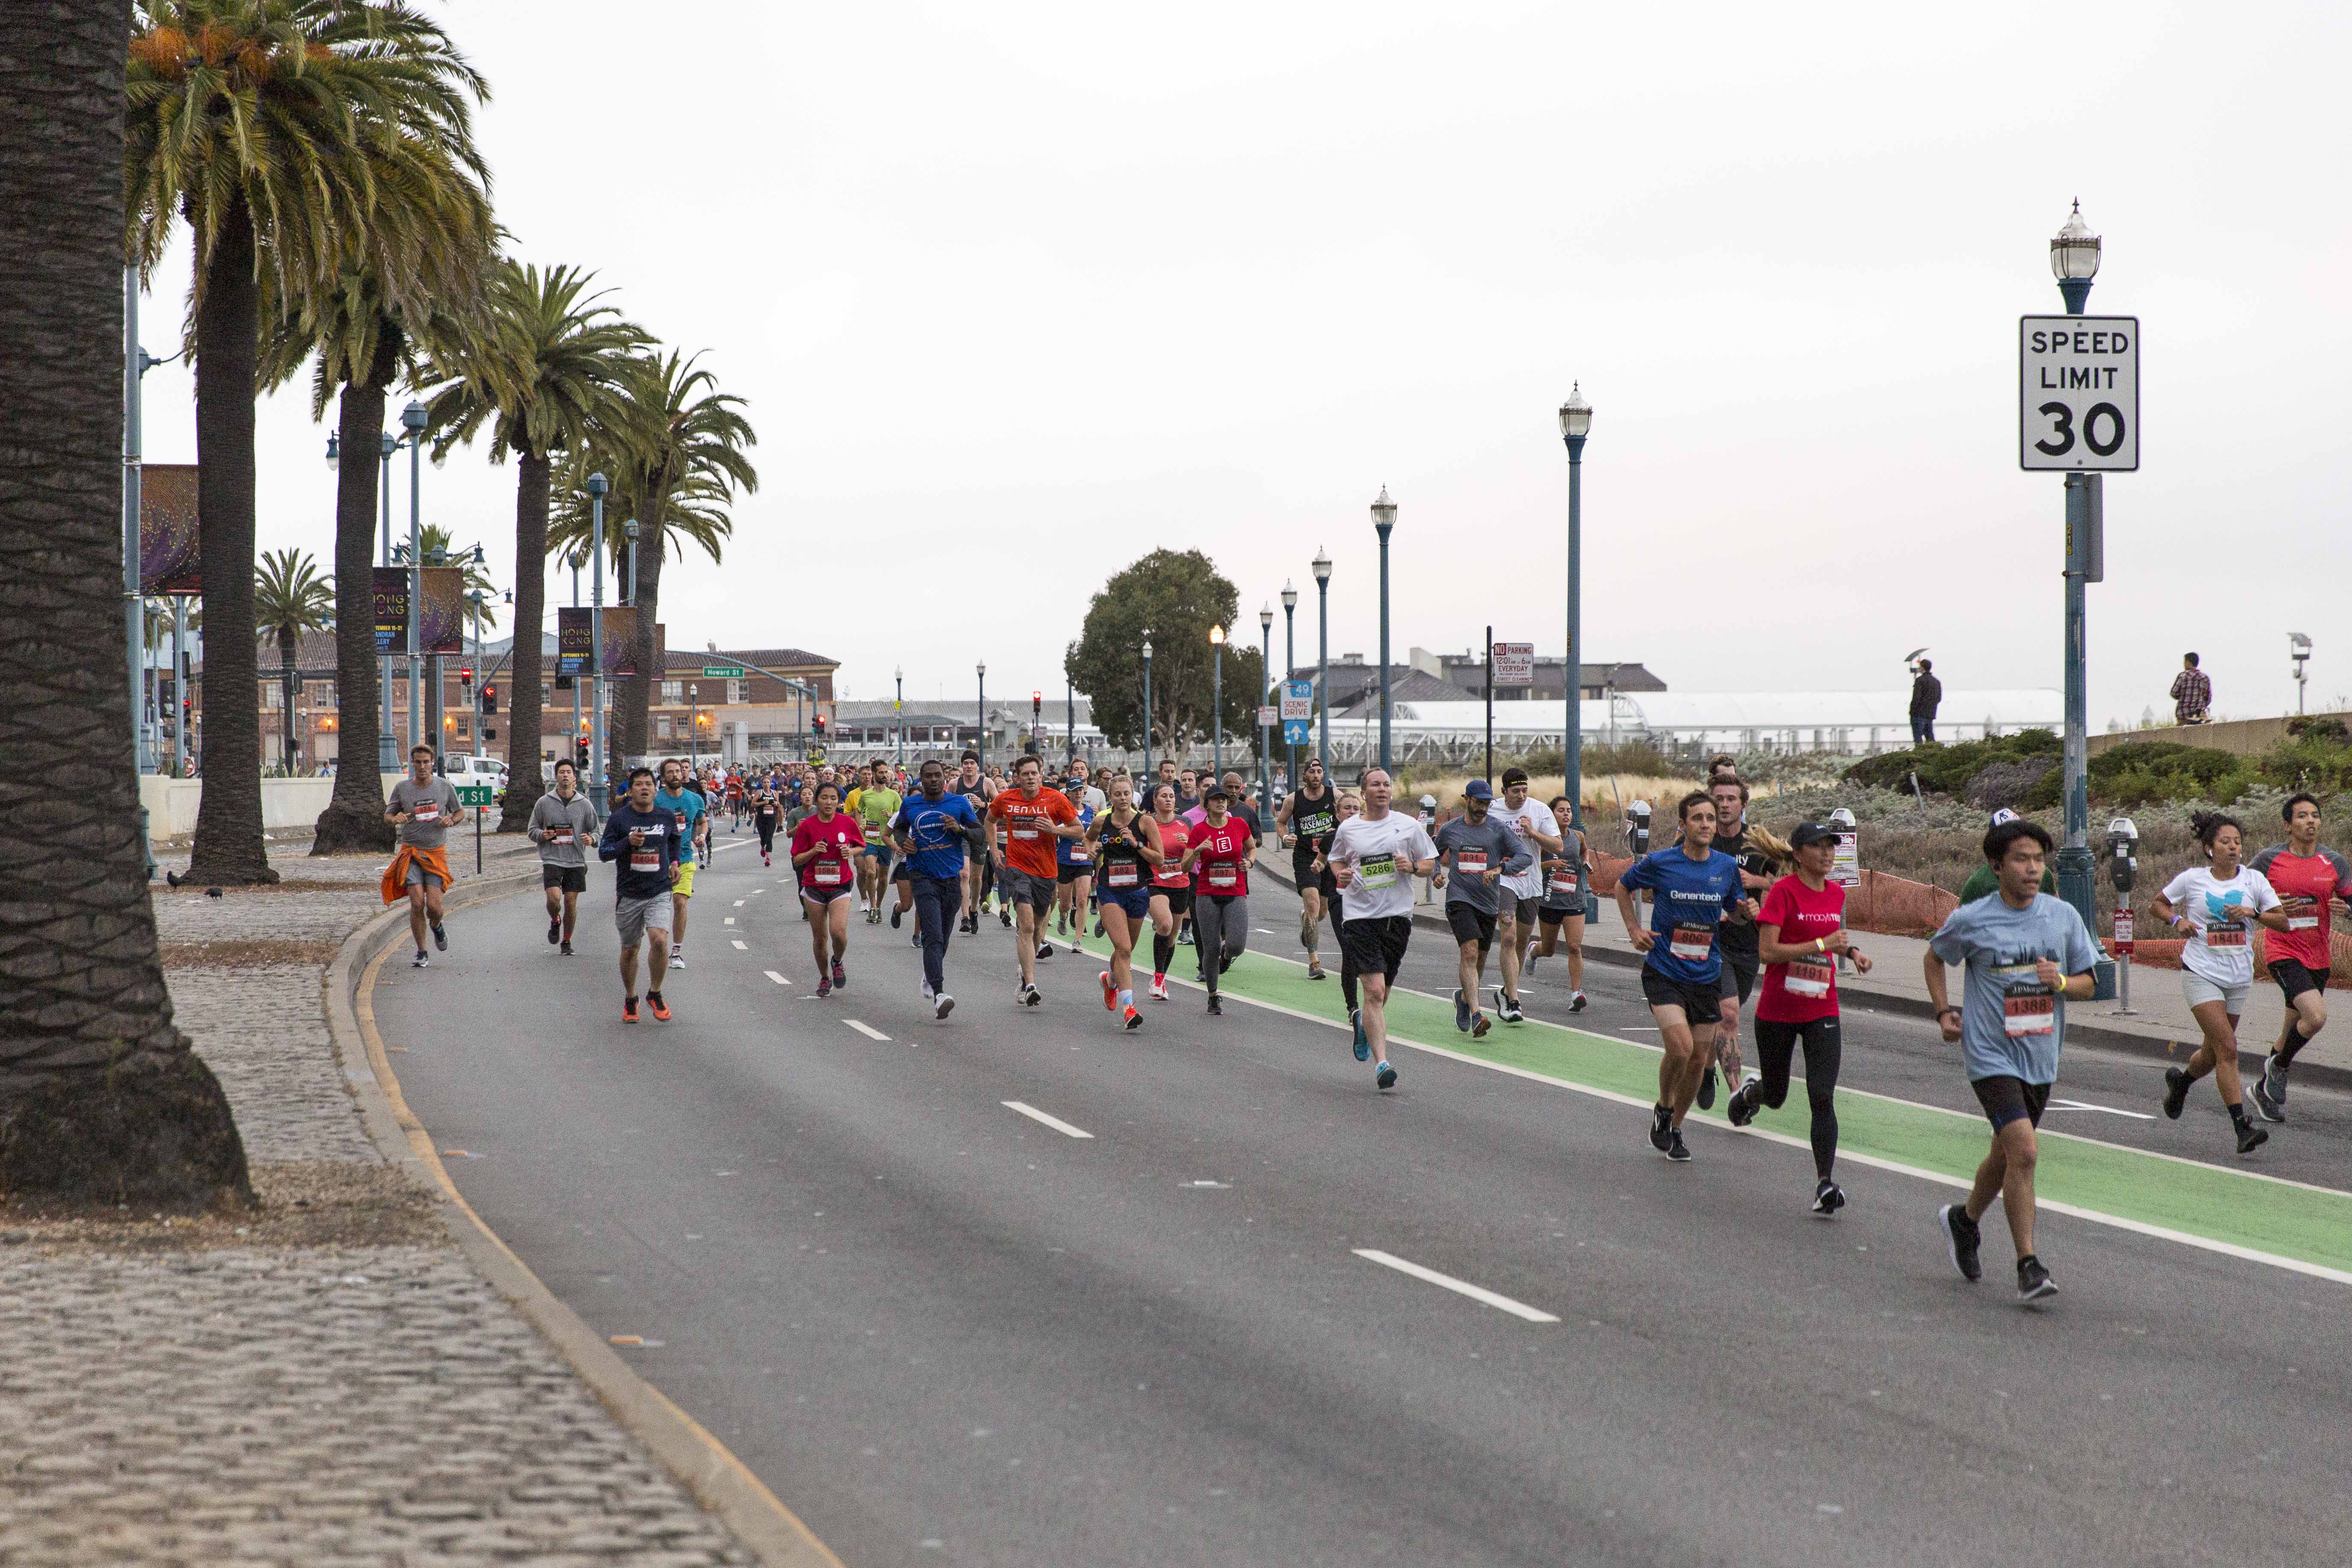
(1017, 294)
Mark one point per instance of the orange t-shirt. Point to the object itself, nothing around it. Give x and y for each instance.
(1029, 848)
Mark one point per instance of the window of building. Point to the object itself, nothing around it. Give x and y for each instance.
(673, 692)
(661, 725)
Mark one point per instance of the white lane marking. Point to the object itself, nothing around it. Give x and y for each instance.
(776, 977)
(742, 946)
(757, 891)
(1459, 1286)
(738, 903)
(1267, 931)
(868, 1030)
(1055, 1122)
(737, 844)
(731, 919)
(2111, 1111)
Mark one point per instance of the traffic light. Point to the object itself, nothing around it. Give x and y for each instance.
(819, 722)
(490, 697)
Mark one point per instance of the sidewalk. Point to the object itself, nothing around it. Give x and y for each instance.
(327, 1379)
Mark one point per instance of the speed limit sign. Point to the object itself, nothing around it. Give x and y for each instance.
(2078, 394)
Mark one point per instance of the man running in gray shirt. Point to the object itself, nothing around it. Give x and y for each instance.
(424, 807)
(562, 824)
(1477, 852)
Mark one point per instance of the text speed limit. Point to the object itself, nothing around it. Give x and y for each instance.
(2078, 392)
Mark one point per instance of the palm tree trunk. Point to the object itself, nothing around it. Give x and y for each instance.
(525, 781)
(289, 683)
(100, 1097)
(228, 812)
(636, 694)
(354, 820)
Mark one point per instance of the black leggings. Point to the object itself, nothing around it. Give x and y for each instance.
(767, 838)
(1346, 964)
(1776, 1046)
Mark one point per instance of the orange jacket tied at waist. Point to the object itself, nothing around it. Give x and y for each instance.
(433, 862)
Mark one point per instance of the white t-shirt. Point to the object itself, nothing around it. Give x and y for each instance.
(1382, 853)
(2221, 946)
(1529, 883)
(1096, 800)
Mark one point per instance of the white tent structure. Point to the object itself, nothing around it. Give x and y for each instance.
(1850, 722)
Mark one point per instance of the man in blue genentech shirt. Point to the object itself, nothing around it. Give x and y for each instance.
(2026, 953)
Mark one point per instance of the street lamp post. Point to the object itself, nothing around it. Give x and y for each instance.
(898, 711)
(412, 419)
(1265, 735)
(2299, 650)
(1147, 713)
(1384, 519)
(474, 719)
(693, 727)
(980, 670)
(1575, 424)
(1070, 712)
(597, 486)
(1323, 660)
(386, 742)
(2075, 260)
(629, 528)
(1217, 705)
(1289, 658)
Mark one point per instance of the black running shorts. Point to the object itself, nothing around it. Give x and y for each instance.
(1470, 924)
(1376, 946)
(1700, 1003)
(2006, 1099)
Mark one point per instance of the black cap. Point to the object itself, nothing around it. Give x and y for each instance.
(1811, 833)
(1217, 792)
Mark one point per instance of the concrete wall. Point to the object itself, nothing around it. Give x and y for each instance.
(285, 804)
(2240, 737)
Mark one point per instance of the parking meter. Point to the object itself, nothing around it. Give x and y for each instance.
(2122, 864)
(1637, 831)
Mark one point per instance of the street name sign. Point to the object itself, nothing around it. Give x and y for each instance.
(1514, 664)
(723, 672)
(2078, 394)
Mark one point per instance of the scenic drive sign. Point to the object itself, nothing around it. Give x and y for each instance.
(2078, 394)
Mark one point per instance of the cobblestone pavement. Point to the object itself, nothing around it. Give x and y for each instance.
(306, 1405)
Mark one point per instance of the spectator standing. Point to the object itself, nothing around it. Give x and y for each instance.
(2192, 693)
(1927, 695)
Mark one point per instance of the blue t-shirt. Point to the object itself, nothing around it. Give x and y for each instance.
(1062, 846)
(689, 802)
(1692, 896)
(935, 828)
(2010, 1024)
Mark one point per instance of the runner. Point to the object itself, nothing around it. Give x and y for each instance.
(1738, 933)
(1218, 853)
(976, 788)
(1327, 883)
(2209, 905)
(1477, 852)
(1694, 887)
(2027, 952)
(2305, 878)
(424, 807)
(825, 850)
(931, 828)
(1172, 886)
(767, 811)
(1800, 932)
(561, 825)
(876, 804)
(1074, 870)
(642, 838)
(1567, 876)
(1029, 814)
(1376, 857)
(1306, 821)
(1127, 848)
(1521, 892)
(686, 805)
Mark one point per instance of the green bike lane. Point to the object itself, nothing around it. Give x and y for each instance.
(2243, 1213)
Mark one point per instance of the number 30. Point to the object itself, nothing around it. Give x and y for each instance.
(2061, 419)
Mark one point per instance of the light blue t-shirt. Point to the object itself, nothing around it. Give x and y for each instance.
(691, 804)
(2011, 1025)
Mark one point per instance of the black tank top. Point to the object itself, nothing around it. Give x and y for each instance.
(1118, 851)
(1314, 821)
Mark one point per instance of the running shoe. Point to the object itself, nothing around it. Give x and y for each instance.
(1462, 1011)
(676, 958)
(1385, 1075)
(2270, 1091)
(896, 917)
(440, 939)
(1828, 1198)
(2033, 1280)
(1159, 988)
(660, 1008)
(628, 1010)
(1511, 1012)
(1662, 1129)
(1479, 1025)
(824, 985)
(2176, 1091)
(554, 933)
(943, 1005)
(916, 939)
(1006, 915)
(1098, 925)
(1741, 1107)
(1029, 994)
(420, 960)
(1061, 924)
(2251, 1137)
(1216, 1005)
(1528, 964)
(565, 949)
(1576, 1004)
(1363, 1041)
(840, 980)
(1679, 1151)
(1184, 937)
(1315, 970)
(1706, 1091)
(1110, 992)
(1961, 1238)
(1134, 1020)
(1044, 950)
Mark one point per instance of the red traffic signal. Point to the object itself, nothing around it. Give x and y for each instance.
(466, 674)
(819, 722)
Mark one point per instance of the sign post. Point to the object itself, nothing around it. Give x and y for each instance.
(1298, 713)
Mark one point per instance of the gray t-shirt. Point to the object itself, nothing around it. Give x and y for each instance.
(431, 807)
(562, 829)
(2010, 1024)
(1470, 851)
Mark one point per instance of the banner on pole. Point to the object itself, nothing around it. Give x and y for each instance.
(574, 645)
(170, 542)
(440, 610)
(389, 586)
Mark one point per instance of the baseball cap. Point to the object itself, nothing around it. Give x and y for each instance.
(1216, 792)
(1811, 833)
(1478, 789)
(2003, 815)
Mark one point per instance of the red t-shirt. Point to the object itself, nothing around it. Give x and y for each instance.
(2315, 877)
(1173, 837)
(1805, 988)
(828, 873)
(1028, 848)
(1223, 870)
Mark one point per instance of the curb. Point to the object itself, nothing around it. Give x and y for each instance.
(1867, 1000)
(713, 1475)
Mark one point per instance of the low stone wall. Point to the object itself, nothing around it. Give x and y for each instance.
(2238, 737)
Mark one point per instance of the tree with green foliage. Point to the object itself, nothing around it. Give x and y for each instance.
(290, 598)
(1170, 599)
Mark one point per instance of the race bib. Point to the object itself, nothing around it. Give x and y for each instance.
(2028, 1008)
(1811, 975)
(827, 873)
(559, 836)
(428, 811)
(1224, 874)
(1080, 855)
(1470, 862)
(1025, 833)
(2226, 934)
(1376, 871)
(644, 861)
(1121, 874)
(1691, 943)
(1564, 883)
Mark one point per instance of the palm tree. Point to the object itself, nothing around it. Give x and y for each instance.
(543, 371)
(282, 131)
(100, 1097)
(681, 442)
(290, 598)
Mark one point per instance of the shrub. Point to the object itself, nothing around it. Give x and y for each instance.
(2011, 784)
(1947, 770)
(1627, 757)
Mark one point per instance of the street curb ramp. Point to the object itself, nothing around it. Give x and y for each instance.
(713, 1476)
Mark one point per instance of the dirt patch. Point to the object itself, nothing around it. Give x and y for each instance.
(286, 885)
(255, 954)
(299, 1204)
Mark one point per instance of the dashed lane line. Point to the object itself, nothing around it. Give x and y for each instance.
(1055, 1122)
(1459, 1286)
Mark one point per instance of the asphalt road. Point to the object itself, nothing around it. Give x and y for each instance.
(941, 1330)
